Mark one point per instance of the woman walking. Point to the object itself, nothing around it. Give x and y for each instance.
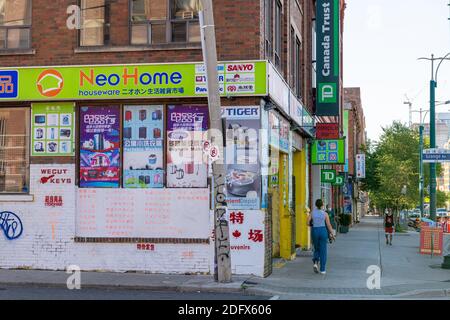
(321, 232)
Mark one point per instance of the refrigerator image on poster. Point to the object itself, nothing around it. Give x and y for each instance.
(100, 147)
(186, 130)
(143, 147)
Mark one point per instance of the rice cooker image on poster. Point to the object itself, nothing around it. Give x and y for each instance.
(240, 182)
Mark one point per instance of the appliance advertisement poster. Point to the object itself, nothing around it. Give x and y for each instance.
(143, 147)
(186, 164)
(53, 129)
(243, 169)
(100, 147)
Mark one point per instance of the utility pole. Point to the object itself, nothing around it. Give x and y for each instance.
(421, 179)
(222, 258)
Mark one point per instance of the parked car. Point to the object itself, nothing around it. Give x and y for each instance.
(441, 212)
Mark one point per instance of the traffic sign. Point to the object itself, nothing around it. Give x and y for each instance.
(436, 155)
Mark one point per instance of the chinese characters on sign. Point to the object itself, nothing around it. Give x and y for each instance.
(186, 133)
(143, 147)
(328, 152)
(99, 147)
(53, 129)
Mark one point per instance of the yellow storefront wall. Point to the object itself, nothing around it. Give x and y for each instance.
(303, 239)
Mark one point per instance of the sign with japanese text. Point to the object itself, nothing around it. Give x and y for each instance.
(53, 129)
(100, 147)
(328, 57)
(143, 145)
(186, 133)
(243, 181)
(143, 213)
(327, 131)
(240, 78)
(328, 152)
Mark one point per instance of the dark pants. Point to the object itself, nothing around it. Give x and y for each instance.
(320, 240)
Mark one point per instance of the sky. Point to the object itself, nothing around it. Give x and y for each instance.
(382, 41)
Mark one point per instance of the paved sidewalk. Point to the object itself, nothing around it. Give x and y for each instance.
(405, 273)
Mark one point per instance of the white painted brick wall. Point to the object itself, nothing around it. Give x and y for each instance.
(40, 247)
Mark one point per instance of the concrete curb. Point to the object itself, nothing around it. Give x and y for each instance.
(156, 287)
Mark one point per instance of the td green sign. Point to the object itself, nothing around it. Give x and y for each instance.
(328, 57)
(328, 152)
(328, 176)
(177, 80)
(339, 181)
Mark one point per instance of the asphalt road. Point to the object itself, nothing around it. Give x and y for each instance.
(46, 293)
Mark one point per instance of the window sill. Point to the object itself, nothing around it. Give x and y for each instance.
(16, 198)
(175, 46)
(14, 52)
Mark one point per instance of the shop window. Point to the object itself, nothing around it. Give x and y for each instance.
(164, 21)
(15, 24)
(95, 18)
(298, 69)
(14, 146)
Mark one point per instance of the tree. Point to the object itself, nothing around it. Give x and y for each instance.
(393, 164)
(441, 199)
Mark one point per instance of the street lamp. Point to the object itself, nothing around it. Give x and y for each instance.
(433, 85)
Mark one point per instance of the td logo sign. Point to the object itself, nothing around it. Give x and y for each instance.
(328, 176)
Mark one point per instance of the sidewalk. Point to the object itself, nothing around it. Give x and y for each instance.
(405, 273)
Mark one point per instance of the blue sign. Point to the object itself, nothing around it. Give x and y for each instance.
(9, 84)
(436, 157)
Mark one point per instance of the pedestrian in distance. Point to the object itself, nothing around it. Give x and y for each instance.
(389, 226)
(321, 232)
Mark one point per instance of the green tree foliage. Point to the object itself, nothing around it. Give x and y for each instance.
(392, 168)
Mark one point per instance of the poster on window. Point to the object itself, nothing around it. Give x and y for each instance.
(100, 147)
(52, 129)
(143, 147)
(243, 180)
(186, 128)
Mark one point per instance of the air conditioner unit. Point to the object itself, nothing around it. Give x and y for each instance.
(188, 15)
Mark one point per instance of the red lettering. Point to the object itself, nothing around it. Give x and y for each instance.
(88, 79)
(134, 76)
(240, 67)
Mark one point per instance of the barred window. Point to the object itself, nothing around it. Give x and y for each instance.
(14, 154)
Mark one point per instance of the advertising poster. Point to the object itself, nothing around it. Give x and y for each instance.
(100, 147)
(243, 168)
(186, 127)
(143, 147)
(348, 190)
(53, 129)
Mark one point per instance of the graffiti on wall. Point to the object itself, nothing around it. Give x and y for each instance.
(11, 225)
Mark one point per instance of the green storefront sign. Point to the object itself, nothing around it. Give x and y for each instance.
(328, 57)
(134, 81)
(328, 176)
(52, 126)
(339, 181)
(328, 152)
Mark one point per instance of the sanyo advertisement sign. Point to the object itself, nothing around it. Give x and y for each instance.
(328, 55)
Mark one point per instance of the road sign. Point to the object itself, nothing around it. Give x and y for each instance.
(436, 155)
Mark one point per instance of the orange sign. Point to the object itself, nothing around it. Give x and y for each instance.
(50, 83)
(431, 240)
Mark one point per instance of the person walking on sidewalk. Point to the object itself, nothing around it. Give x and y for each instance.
(322, 232)
(389, 226)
